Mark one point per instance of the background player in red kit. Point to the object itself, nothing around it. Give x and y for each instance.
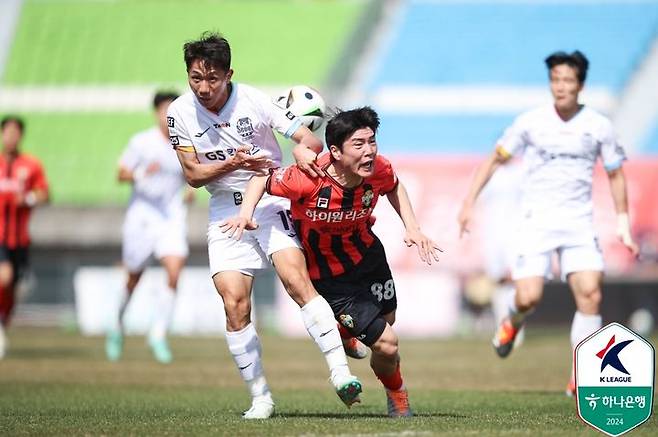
(345, 259)
(23, 185)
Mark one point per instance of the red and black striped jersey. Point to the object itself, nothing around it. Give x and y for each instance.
(333, 222)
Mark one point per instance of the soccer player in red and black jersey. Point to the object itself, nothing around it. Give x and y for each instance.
(332, 215)
(23, 185)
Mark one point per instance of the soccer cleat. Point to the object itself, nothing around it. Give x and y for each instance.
(503, 341)
(571, 388)
(348, 388)
(160, 350)
(398, 403)
(262, 407)
(114, 345)
(354, 348)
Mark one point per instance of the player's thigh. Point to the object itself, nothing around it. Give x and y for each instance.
(529, 290)
(173, 265)
(138, 244)
(228, 254)
(275, 229)
(581, 258)
(290, 266)
(235, 289)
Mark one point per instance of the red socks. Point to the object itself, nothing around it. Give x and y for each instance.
(393, 381)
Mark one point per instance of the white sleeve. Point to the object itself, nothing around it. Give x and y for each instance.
(130, 158)
(178, 135)
(279, 119)
(514, 138)
(612, 152)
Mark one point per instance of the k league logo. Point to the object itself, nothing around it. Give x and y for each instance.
(614, 379)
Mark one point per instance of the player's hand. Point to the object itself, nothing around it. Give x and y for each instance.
(427, 249)
(464, 218)
(235, 226)
(257, 163)
(305, 159)
(624, 234)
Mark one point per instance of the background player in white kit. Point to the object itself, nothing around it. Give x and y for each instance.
(561, 144)
(155, 224)
(222, 133)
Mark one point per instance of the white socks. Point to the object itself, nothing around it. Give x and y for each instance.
(245, 348)
(319, 321)
(164, 309)
(582, 326)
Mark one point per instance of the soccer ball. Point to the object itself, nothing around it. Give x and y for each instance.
(304, 102)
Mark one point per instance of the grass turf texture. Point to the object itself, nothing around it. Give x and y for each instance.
(78, 42)
(59, 383)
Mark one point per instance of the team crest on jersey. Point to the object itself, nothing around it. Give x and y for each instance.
(366, 199)
(346, 320)
(170, 121)
(237, 198)
(245, 128)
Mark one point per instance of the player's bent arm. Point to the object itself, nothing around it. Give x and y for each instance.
(620, 198)
(482, 176)
(255, 190)
(305, 138)
(306, 151)
(198, 175)
(427, 249)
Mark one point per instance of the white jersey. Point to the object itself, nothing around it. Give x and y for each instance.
(559, 158)
(247, 118)
(161, 191)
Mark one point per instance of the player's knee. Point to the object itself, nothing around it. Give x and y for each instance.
(590, 298)
(386, 345)
(526, 300)
(237, 309)
(299, 287)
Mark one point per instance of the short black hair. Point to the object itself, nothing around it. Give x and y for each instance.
(211, 48)
(13, 119)
(345, 123)
(576, 60)
(164, 96)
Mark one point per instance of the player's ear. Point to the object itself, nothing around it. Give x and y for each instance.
(229, 74)
(335, 152)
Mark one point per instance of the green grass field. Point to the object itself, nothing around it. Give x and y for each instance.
(56, 383)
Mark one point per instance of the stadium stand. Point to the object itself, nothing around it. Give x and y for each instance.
(476, 45)
(74, 47)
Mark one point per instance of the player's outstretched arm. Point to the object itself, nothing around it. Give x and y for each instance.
(427, 249)
(236, 225)
(306, 151)
(620, 198)
(198, 175)
(482, 176)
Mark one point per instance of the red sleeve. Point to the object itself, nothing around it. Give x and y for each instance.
(289, 182)
(386, 177)
(38, 180)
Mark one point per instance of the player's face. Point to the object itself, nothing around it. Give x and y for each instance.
(11, 136)
(565, 86)
(209, 85)
(358, 155)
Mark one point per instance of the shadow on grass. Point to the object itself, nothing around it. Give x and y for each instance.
(371, 415)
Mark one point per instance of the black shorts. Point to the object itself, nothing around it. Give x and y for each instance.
(363, 294)
(18, 258)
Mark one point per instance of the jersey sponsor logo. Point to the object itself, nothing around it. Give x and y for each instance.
(174, 140)
(323, 202)
(200, 134)
(337, 216)
(237, 198)
(222, 124)
(170, 121)
(245, 128)
(217, 155)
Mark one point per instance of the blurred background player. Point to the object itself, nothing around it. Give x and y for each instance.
(222, 133)
(155, 225)
(23, 186)
(345, 259)
(561, 144)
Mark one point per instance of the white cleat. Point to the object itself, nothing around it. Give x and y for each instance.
(261, 408)
(348, 388)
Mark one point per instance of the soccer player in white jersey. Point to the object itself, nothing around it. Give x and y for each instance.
(560, 143)
(155, 225)
(222, 133)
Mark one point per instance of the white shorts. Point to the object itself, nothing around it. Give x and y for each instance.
(150, 234)
(576, 251)
(254, 250)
